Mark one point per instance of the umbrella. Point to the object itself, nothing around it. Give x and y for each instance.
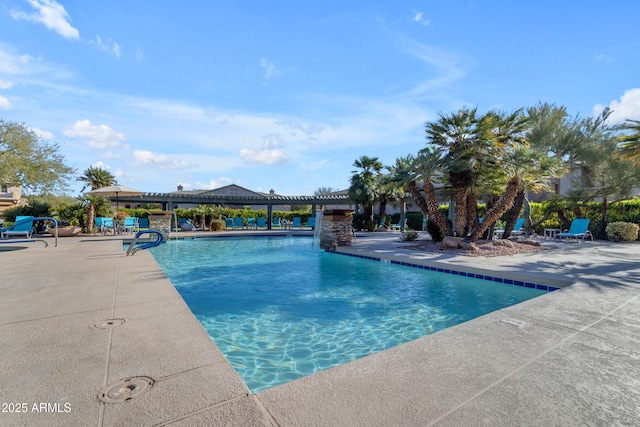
(114, 191)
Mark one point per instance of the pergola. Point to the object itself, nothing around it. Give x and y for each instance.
(169, 201)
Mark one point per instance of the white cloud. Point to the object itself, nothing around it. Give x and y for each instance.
(108, 46)
(5, 84)
(97, 136)
(627, 108)
(145, 158)
(270, 154)
(214, 183)
(139, 54)
(51, 14)
(5, 104)
(270, 70)
(420, 19)
(43, 134)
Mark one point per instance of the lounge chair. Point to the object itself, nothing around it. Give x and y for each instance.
(251, 223)
(262, 223)
(311, 222)
(237, 223)
(297, 223)
(143, 223)
(398, 226)
(130, 225)
(22, 226)
(104, 224)
(579, 230)
(517, 229)
(228, 224)
(275, 223)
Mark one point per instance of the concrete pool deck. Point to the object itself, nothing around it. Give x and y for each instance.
(79, 317)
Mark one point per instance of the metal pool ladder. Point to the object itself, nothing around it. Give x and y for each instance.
(133, 248)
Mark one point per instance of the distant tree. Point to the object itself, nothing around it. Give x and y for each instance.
(364, 184)
(323, 191)
(93, 178)
(37, 166)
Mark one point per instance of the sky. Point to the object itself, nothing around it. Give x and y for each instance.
(286, 95)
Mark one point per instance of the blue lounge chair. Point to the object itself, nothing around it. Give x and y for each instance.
(22, 226)
(103, 224)
(251, 223)
(311, 222)
(130, 225)
(275, 223)
(579, 230)
(517, 229)
(237, 223)
(143, 223)
(228, 224)
(297, 223)
(262, 223)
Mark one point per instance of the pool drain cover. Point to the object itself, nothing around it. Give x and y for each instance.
(106, 324)
(124, 390)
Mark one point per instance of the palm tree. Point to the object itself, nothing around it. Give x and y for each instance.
(95, 177)
(630, 147)
(466, 138)
(364, 188)
(388, 189)
(517, 162)
(426, 167)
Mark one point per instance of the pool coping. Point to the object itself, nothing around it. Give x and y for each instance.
(572, 361)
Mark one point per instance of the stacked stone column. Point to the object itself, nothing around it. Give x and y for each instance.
(335, 229)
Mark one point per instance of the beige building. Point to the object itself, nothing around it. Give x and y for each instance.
(10, 197)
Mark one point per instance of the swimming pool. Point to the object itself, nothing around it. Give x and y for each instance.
(280, 309)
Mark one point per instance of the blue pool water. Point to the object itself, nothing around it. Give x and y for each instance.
(280, 309)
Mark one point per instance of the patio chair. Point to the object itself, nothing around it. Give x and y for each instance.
(311, 222)
(262, 223)
(297, 223)
(237, 223)
(251, 223)
(103, 224)
(579, 230)
(517, 229)
(275, 223)
(130, 225)
(22, 226)
(228, 224)
(143, 223)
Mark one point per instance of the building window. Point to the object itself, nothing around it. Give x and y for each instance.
(4, 189)
(556, 188)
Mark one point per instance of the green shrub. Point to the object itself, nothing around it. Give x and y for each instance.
(217, 225)
(619, 230)
(409, 236)
(434, 231)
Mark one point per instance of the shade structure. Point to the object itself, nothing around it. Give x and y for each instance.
(115, 191)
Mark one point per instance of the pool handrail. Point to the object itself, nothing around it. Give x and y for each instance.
(133, 249)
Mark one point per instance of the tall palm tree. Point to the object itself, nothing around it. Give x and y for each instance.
(95, 177)
(426, 167)
(364, 184)
(388, 189)
(465, 137)
(630, 147)
(517, 162)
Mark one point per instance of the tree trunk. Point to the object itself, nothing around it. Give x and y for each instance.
(528, 226)
(513, 214)
(91, 216)
(382, 210)
(472, 211)
(502, 205)
(460, 220)
(426, 206)
(601, 231)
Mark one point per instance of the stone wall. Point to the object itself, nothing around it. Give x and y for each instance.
(335, 229)
(161, 223)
